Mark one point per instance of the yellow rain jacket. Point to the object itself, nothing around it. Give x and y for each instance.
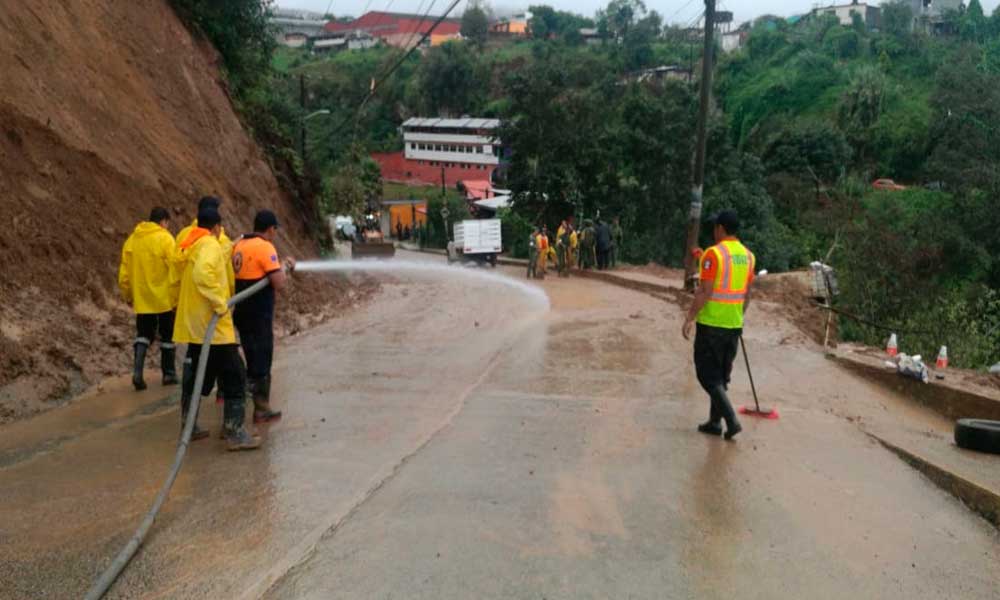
(204, 291)
(144, 276)
(227, 247)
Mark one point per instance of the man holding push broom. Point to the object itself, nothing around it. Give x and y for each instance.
(722, 297)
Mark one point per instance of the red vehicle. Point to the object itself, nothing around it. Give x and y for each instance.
(888, 185)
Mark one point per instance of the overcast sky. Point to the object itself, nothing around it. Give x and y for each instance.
(676, 11)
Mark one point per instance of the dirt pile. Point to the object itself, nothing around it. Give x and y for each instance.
(106, 110)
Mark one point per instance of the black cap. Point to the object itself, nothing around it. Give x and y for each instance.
(209, 202)
(208, 217)
(729, 220)
(264, 219)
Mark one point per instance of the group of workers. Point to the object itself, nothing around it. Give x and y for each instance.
(176, 285)
(593, 246)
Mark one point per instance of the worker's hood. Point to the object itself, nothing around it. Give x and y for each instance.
(196, 234)
(147, 228)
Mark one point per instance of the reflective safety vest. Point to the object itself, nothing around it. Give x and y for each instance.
(734, 270)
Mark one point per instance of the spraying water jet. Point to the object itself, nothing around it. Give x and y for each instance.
(535, 294)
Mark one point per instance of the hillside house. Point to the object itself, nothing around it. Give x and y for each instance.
(870, 14)
(402, 30)
(452, 149)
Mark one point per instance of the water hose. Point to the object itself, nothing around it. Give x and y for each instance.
(108, 577)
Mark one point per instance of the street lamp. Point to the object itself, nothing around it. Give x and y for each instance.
(302, 139)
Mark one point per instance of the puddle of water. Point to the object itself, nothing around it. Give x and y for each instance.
(473, 274)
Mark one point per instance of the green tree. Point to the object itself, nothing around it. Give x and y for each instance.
(240, 30)
(450, 81)
(546, 21)
(354, 186)
(475, 23)
(814, 150)
(965, 137)
(973, 26)
(897, 18)
(861, 106)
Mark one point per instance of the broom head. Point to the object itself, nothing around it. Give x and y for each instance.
(763, 413)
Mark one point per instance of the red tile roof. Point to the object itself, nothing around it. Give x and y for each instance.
(380, 24)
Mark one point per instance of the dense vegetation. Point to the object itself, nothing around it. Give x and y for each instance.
(807, 115)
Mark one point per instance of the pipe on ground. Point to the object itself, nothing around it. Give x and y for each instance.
(108, 577)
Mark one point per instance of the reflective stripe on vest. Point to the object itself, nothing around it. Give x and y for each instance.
(724, 290)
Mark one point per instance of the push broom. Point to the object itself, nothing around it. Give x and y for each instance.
(757, 411)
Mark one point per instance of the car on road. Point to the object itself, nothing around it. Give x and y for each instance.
(887, 185)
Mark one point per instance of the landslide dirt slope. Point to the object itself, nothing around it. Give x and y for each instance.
(107, 108)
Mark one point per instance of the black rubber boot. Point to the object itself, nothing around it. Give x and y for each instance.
(711, 428)
(260, 390)
(724, 408)
(197, 433)
(168, 365)
(187, 386)
(140, 364)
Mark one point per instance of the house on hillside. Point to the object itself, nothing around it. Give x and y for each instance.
(870, 14)
(295, 32)
(335, 42)
(447, 151)
(933, 16)
(731, 41)
(402, 30)
(590, 36)
(658, 75)
(514, 26)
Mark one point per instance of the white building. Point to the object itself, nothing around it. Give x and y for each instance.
(295, 32)
(870, 14)
(932, 15)
(452, 141)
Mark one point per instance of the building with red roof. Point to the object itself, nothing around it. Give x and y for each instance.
(402, 30)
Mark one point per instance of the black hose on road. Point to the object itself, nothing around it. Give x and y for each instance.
(108, 577)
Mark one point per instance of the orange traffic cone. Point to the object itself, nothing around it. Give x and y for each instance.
(892, 348)
(942, 359)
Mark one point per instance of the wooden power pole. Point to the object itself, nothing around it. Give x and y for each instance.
(302, 124)
(698, 183)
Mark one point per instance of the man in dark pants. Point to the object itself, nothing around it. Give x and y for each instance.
(146, 283)
(204, 292)
(603, 235)
(720, 301)
(254, 258)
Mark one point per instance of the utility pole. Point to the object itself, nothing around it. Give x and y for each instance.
(698, 184)
(302, 130)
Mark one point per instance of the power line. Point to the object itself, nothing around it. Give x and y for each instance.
(377, 83)
(679, 10)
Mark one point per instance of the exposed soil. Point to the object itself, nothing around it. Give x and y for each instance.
(106, 110)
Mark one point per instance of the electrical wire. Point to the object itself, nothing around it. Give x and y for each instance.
(377, 83)
(678, 11)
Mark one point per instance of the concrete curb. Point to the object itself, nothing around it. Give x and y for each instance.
(976, 497)
(950, 402)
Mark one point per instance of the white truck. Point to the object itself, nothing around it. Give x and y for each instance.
(477, 240)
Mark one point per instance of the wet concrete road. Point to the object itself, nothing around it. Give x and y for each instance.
(454, 441)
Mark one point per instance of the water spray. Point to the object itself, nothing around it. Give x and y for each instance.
(536, 294)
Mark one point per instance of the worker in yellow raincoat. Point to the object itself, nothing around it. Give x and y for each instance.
(204, 292)
(574, 247)
(227, 244)
(542, 247)
(145, 281)
(227, 247)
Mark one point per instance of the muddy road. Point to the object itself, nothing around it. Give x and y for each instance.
(456, 439)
